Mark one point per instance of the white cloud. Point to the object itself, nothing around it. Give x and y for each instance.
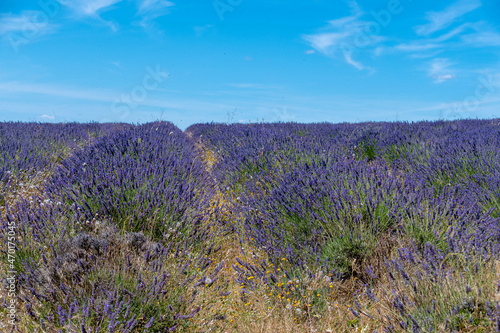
(50, 90)
(117, 64)
(30, 90)
(455, 32)
(11, 22)
(349, 36)
(427, 44)
(417, 46)
(442, 78)
(90, 7)
(29, 24)
(467, 35)
(354, 6)
(443, 19)
(154, 7)
(343, 21)
(439, 70)
(45, 116)
(482, 38)
(325, 42)
(150, 10)
(348, 58)
(344, 35)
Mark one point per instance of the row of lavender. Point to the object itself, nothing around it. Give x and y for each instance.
(344, 199)
(35, 146)
(115, 241)
(30, 148)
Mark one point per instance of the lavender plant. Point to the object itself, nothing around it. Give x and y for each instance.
(115, 240)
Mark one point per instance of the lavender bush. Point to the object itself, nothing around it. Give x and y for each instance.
(147, 178)
(30, 151)
(115, 240)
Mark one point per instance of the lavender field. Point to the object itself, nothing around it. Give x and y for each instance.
(263, 227)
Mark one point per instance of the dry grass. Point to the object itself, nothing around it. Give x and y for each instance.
(259, 310)
(22, 188)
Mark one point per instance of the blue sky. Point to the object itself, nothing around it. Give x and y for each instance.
(241, 60)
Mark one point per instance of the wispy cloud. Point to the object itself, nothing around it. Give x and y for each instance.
(426, 44)
(467, 35)
(326, 42)
(149, 10)
(27, 23)
(118, 65)
(418, 46)
(90, 7)
(13, 88)
(445, 30)
(351, 61)
(482, 38)
(344, 34)
(47, 117)
(443, 19)
(439, 70)
(154, 8)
